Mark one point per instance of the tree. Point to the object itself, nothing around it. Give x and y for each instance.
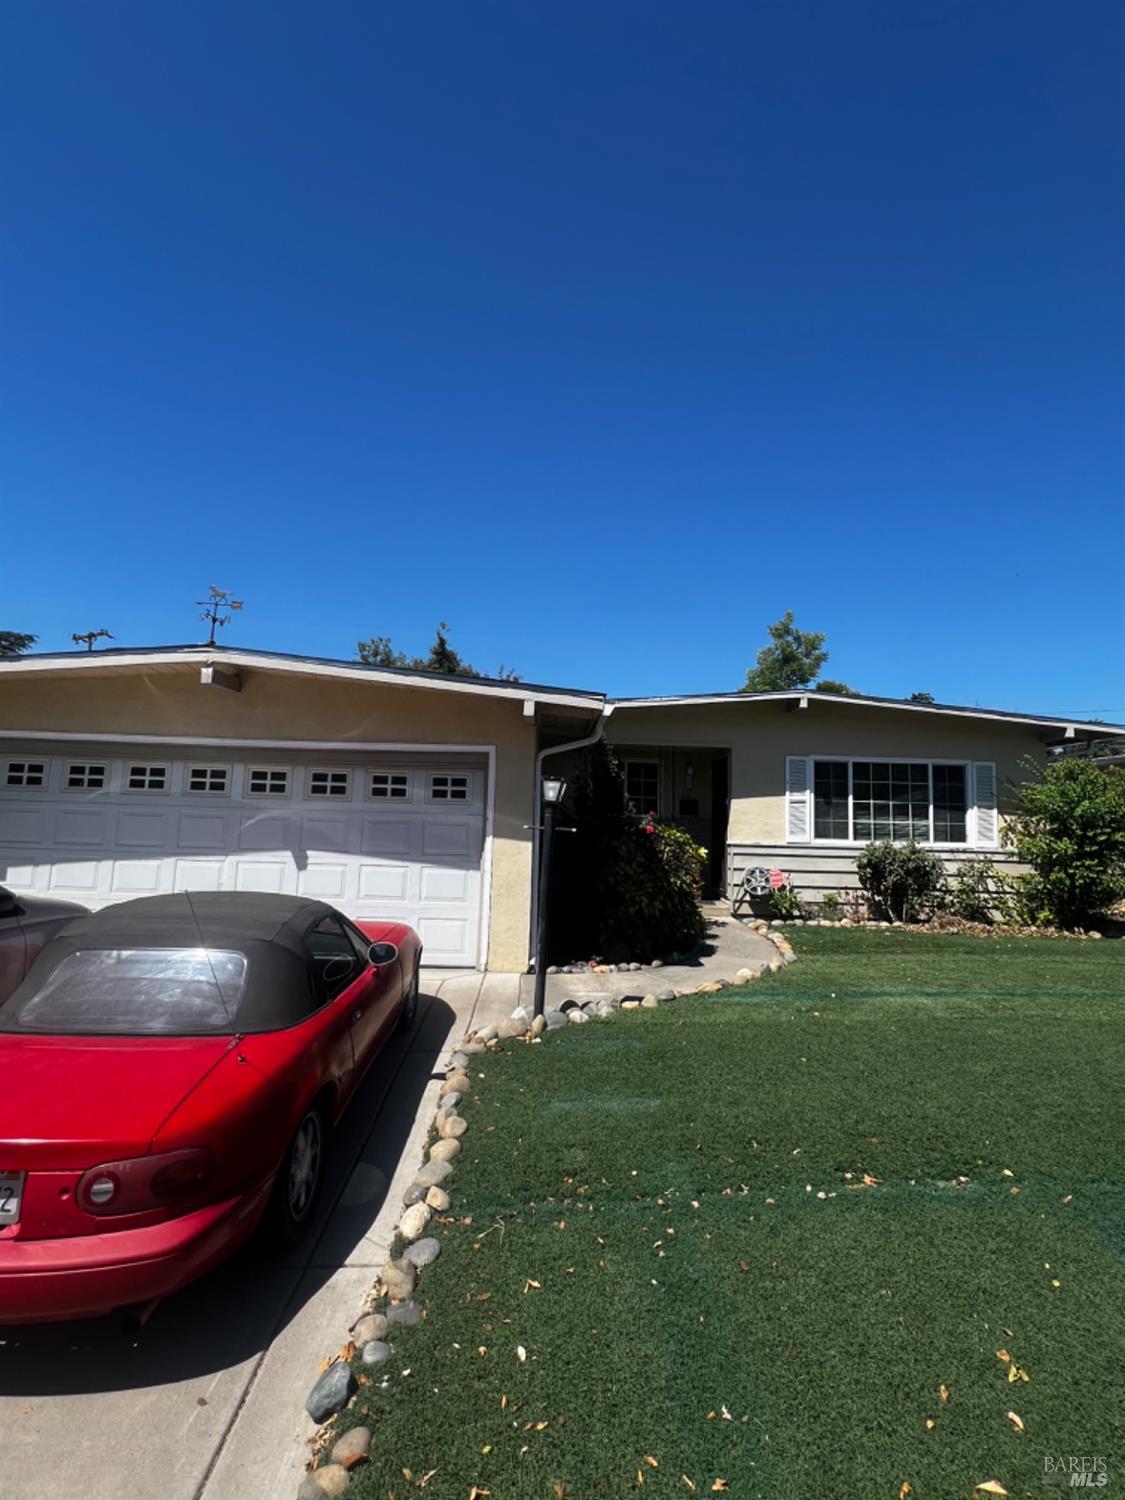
(830, 685)
(15, 643)
(380, 652)
(1069, 826)
(920, 698)
(791, 660)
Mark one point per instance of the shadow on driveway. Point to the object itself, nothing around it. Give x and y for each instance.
(232, 1315)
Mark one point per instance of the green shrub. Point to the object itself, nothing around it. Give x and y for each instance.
(972, 892)
(1069, 826)
(831, 907)
(902, 882)
(785, 902)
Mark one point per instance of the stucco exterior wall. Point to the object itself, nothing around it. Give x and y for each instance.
(760, 735)
(276, 705)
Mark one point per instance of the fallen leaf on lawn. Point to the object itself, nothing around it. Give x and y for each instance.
(868, 1180)
(1002, 1354)
(521, 1353)
(903, 1490)
(1007, 1173)
(476, 1493)
(503, 1403)
(651, 1461)
(720, 1484)
(687, 1481)
(726, 1414)
(487, 1448)
(541, 1426)
(560, 1490)
(1017, 1372)
(711, 1415)
(482, 1351)
(1056, 1283)
(989, 1487)
(529, 1284)
(1016, 1421)
(640, 1477)
(943, 1392)
(929, 1424)
(425, 1478)
(1067, 1198)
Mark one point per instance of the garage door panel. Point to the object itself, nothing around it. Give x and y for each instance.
(141, 830)
(136, 877)
(324, 881)
(200, 830)
(79, 875)
(261, 875)
(445, 940)
(454, 838)
(439, 884)
(82, 825)
(332, 832)
(197, 875)
(24, 825)
(387, 882)
(392, 838)
(267, 831)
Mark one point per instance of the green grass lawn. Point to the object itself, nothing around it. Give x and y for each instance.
(665, 1218)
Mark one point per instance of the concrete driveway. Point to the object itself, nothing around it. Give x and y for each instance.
(207, 1402)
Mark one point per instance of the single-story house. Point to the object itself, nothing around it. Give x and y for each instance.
(393, 792)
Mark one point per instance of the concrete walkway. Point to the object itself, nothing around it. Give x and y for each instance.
(728, 947)
(207, 1402)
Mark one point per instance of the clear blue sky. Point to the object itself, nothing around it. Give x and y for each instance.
(607, 332)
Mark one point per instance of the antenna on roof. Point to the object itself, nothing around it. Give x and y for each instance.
(218, 600)
(90, 637)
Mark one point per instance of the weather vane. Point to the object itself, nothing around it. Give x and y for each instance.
(219, 600)
(90, 637)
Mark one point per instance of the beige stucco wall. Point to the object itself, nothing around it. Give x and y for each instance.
(278, 705)
(760, 735)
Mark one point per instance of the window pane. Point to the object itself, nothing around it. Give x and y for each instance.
(830, 799)
(139, 992)
(949, 804)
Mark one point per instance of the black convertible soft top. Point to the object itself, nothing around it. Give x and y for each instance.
(275, 990)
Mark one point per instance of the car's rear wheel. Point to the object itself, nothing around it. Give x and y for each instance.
(299, 1179)
(409, 1012)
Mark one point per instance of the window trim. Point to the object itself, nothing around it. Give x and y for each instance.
(25, 761)
(369, 795)
(968, 842)
(207, 765)
(147, 766)
(248, 771)
(105, 766)
(642, 760)
(328, 795)
(468, 800)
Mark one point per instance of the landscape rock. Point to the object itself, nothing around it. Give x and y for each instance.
(414, 1221)
(332, 1392)
(511, 1028)
(451, 1101)
(473, 1049)
(521, 1013)
(634, 968)
(370, 1326)
(539, 1025)
(399, 1277)
(375, 1352)
(710, 988)
(664, 995)
(657, 963)
(422, 1252)
(487, 1034)
(352, 1447)
(552, 969)
(577, 1015)
(554, 1019)
(631, 1004)
(433, 1174)
(459, 1059)
(456, 1083)
(650, 1002)
(445, 1150)
(309, 1489)
(775, 966)
(414, 1194)
(332, 1479)
(453, 1127)
(439, 1200)
(404, 1315)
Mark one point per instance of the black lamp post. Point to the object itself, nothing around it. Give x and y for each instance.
(554, 790)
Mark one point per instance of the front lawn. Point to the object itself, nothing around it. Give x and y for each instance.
(670, 1218)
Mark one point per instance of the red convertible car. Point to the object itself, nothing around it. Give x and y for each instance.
(172, 1069)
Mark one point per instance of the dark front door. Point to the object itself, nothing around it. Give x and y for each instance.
(720, 810)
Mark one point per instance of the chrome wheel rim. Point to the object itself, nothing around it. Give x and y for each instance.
(304, 1165)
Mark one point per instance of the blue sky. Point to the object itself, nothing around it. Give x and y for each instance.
(607, 332)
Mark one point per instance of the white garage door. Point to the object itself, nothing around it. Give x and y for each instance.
(395, 841)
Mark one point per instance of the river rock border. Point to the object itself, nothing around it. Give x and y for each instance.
(392, 1304)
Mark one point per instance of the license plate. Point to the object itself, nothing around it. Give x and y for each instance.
(11, 1191)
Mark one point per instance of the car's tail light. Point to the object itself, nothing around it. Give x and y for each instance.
(145, 1182)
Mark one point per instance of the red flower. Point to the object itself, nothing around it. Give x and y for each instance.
(649, 828)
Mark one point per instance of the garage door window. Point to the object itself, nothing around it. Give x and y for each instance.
(83, 777)
(448, 788)
(147, 779)
(267, 782)
(211, 780)
(389, 786)
(27, 773)
(329, 783)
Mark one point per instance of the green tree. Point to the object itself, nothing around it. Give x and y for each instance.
(15, 643)
(830, 685)
(379, 651)
(791, 660)
(920, 698)
(1069, 826)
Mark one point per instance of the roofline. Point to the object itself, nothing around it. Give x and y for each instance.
(314, 666)
(866, 701)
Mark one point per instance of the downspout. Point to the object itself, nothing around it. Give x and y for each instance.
(537, 805)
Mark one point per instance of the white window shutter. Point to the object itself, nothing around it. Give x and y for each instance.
(798, 814)
(984, 798)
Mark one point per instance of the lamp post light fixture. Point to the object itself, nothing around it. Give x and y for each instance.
(553, 790)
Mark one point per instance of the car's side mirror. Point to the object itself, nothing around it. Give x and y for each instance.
(380, 954)
(9, 906)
